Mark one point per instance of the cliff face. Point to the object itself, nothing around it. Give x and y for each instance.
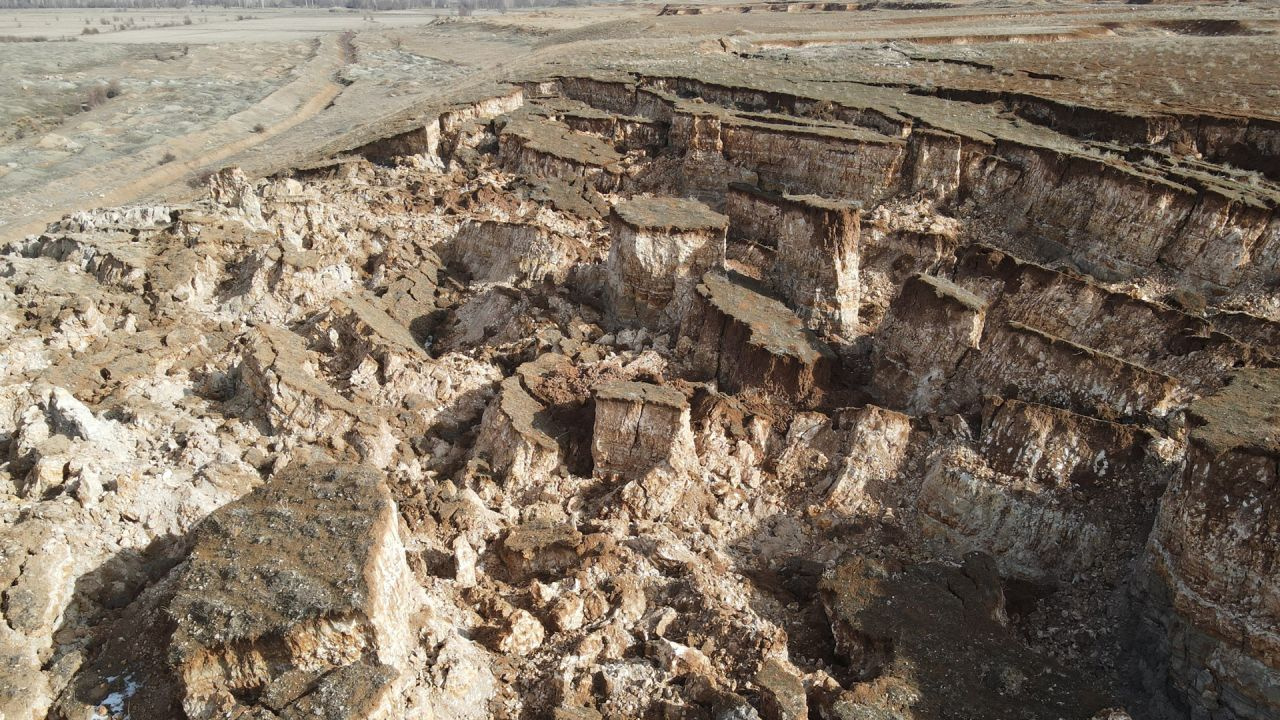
(661, 246)
(665, 391)
(1208, 584)
(814, 258)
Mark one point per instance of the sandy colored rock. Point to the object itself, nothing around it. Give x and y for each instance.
(744, 339)
(660, 248)
(302, 581)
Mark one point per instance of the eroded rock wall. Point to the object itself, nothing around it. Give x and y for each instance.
(657, 394)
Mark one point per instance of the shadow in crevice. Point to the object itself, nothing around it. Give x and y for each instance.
(115, 628)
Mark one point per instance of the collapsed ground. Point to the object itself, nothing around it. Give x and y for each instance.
(663, 394)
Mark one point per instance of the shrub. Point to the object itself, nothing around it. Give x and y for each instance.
(259, 128)
(201, 179)
(95, 96)
(168, 157)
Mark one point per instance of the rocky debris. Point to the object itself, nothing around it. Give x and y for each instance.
(873, 443)
(279, 385)
(783, 693)
(660, 248)
(232, 190)
(952, 654)
(59, 446)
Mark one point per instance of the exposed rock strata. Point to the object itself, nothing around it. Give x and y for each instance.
(1208, 586)
(930, 328)
(660, 248)
(613, 466)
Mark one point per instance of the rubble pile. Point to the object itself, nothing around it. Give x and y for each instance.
(649, 397)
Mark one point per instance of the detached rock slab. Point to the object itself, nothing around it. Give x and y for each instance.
(299, 589)
(744, 339)
(661, 246)
(642, 436)
(638, 427)
(510, 438)
(815, 252)
(930, 327)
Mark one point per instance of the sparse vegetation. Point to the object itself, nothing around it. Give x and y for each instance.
(99, 93)
(94, 96)
(201, 179)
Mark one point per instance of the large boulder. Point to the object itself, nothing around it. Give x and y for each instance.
(294, 599)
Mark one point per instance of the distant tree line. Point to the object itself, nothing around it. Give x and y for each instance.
(463, 6)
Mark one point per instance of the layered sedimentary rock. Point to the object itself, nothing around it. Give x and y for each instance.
(1208, 588)
(514, 253)
(746, 340)
(929, 329)
(660, 249)
(638, 427)
(1034, 531)
(1075, 309)
(553, 150)
(1030, 364)
(814, 264)
(1056, 447)
(939, 349)
(642, 437)
(842, 162)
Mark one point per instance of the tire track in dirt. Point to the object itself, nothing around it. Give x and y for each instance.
(289, 105)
